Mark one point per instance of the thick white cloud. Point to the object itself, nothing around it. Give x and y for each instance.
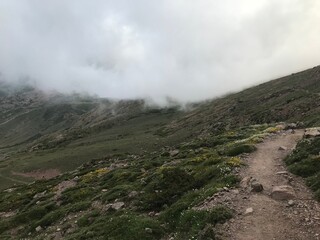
(184, 49)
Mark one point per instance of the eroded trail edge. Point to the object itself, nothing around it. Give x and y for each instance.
(257, 215)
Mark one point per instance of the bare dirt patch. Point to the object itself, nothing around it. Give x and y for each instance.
(39, 174)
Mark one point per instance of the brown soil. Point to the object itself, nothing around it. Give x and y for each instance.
(270, 219)
(39, 174)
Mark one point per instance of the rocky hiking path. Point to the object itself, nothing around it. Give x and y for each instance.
(261, 215)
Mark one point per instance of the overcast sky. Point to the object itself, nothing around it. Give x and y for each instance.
(184, 49)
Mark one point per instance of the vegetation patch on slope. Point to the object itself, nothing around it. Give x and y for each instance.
(305, 162)
(146, 196)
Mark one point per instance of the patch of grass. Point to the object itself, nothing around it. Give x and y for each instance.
(120, 226)
(305, 161)
(192, 222)
(166, 187)
(33, 213)
(237, 149)
(77, 194)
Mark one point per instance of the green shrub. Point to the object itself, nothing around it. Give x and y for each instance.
(172, 214)
(123, 225)
(117, 192)
(305, 162)
(77, 194)
(203, 176)
(238, 149)
(166, 187)
(306, 167)
(33, 214)
(4, 225)
(87, 219)
(80, 206)
(192, 222)
(50, 218)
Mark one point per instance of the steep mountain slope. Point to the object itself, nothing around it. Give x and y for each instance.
(293, 98)
(129, 165)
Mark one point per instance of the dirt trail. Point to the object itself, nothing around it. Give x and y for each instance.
(271, 219)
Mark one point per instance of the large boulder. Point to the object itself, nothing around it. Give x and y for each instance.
(284, 192)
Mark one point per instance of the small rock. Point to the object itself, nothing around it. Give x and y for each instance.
(291, 126)
(133, 194)
(281, 126)
(290, 203)
(283, 193)
(226, 189)
(290, 179)
(235, 191)
(248, 211)
(39, 195)
(282, 148)
(245, 182)
(282, 173)
(151, 214)
(256, 186)
(148, 230)
(117, 205)
(38, 229)
(10, 190)
(174, 153)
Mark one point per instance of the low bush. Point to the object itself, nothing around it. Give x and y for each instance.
(122, 225)
(166, 187)
(305, 162)
(238, 149)
(192, 222)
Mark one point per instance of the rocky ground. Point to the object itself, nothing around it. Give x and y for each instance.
(271, 203)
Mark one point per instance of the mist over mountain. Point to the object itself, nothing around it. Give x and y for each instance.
(183, 50)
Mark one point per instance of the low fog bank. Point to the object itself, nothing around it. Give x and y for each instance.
(169, 51)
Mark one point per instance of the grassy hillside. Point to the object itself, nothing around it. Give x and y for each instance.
(294, 98)
(41, 131)
(145, 168)
(137, 196)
